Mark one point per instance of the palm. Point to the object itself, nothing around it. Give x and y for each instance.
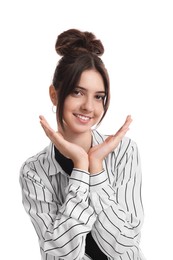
(100, 151)
(69, 150)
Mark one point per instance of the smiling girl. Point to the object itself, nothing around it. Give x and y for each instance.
(83, 191)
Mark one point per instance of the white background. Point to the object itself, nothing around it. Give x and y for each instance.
(138, 40)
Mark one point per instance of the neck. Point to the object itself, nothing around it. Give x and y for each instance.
(83, 140)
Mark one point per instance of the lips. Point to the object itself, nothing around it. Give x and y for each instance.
(83, 117)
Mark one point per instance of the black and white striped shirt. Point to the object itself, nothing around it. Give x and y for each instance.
(64, 209)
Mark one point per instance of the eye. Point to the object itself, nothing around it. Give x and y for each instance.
(100, 97)
(77, 92)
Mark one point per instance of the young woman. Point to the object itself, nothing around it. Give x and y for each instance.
(83, 191)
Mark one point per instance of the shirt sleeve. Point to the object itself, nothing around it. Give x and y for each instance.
(118, 206)
(61, 228)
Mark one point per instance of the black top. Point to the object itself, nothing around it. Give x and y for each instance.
(91, 248)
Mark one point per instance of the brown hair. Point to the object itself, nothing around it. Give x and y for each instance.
(80, 51)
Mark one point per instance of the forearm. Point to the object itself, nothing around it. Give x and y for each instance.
(117, 223)
(115, 229)
(61, 227)
(74, 220)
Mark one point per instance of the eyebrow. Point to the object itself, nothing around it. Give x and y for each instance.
(103, 92)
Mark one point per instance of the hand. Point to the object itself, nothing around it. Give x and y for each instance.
(76, 153)
(97, 153)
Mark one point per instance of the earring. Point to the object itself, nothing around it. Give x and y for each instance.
(54, 109)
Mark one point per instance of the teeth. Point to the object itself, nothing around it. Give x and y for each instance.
(83, 117)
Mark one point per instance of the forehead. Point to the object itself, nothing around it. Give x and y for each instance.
(91, 80)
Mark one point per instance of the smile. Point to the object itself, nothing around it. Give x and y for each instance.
(82, 117)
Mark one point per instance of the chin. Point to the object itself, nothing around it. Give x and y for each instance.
(79, 129)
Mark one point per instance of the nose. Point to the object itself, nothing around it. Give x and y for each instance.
(87, 105)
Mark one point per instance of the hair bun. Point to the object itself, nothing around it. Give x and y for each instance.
(75, 40)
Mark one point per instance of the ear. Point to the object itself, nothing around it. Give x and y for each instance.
(53, 95)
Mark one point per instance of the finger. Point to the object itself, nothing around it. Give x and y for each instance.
(125, 126)
(127, 122)
(43, 120)
(119, 135)
(54, 136)
(45, 123)
(48, 130)
(123, 130)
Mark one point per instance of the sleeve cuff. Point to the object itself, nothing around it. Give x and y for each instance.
(98, 180)
(79, 178)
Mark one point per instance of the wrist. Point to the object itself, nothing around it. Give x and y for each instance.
(82, 164)
(95, 166)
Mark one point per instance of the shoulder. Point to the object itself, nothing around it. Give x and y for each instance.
(39, 161)
(35, 171)
(37, 157)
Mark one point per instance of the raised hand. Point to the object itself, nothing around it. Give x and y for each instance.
(92, 161)
(97, 153)
(76, 153)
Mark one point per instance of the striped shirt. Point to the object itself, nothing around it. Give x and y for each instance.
(64, 209)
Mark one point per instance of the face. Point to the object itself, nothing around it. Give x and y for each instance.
(83, 108)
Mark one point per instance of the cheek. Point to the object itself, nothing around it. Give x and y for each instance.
(69, 105)
(99, 108)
